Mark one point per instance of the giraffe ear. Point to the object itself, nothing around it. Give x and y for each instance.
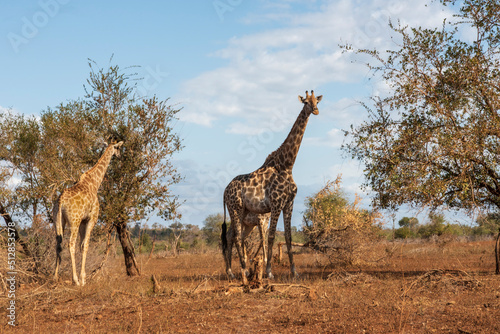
(301, 99)
(318, 98)
(119, 144)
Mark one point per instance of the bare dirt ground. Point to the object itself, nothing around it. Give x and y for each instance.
(422, 288)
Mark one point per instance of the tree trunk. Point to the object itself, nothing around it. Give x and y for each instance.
(128, 249)
(497, 254)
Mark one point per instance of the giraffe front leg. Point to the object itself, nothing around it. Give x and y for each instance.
(262, 232)
(246, 232)
(271, 234)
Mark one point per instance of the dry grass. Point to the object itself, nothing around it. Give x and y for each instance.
(422, 288)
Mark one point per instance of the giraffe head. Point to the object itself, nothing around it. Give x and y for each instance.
(116, 148)
(311, 102)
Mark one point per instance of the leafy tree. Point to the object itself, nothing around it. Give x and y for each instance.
(487, 225)
(411, 223)
(435, 138)
(407, 228)
(191, 235)
(404, 232)
(212, 228)
(20, 139)
(139, 182)
(145, 241)
(22, 190)
(437, 226)
(52, 153)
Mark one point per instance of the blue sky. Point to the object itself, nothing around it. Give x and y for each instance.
(234, 66)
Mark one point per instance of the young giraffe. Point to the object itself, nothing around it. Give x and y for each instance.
(270, 189)
(251, 220)
(78, 206)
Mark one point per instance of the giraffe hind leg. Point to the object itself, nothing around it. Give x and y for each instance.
(236, 222)
(72, 249)
(287, 219)
(228, 254)
(84, 248)
(85, 239)
(262, 231)
(246, 232)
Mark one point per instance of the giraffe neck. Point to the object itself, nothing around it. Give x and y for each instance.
(95, 175)
(284, 157)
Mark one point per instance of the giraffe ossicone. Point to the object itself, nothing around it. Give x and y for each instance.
(268, 190)
(78, 207)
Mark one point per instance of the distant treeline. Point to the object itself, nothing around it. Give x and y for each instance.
(410, 228)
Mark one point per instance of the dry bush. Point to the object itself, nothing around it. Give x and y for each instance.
(340, 229)
(445, 280)
(39, 267)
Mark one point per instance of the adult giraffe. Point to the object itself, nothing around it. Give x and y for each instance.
(78, 207)
(270, 189)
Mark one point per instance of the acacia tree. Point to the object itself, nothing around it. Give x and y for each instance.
(435, 139)
(70, 140)
(138, 183)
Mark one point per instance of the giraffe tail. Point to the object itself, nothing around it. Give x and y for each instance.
(57, 220)
(223, 235)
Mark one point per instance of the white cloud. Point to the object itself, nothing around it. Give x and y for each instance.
(265, 70)
(256, 91)
(334, 138)
(202, 188)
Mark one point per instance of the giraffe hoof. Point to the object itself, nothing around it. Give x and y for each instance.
(244, 279)
(230, 274)
(270, 276)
